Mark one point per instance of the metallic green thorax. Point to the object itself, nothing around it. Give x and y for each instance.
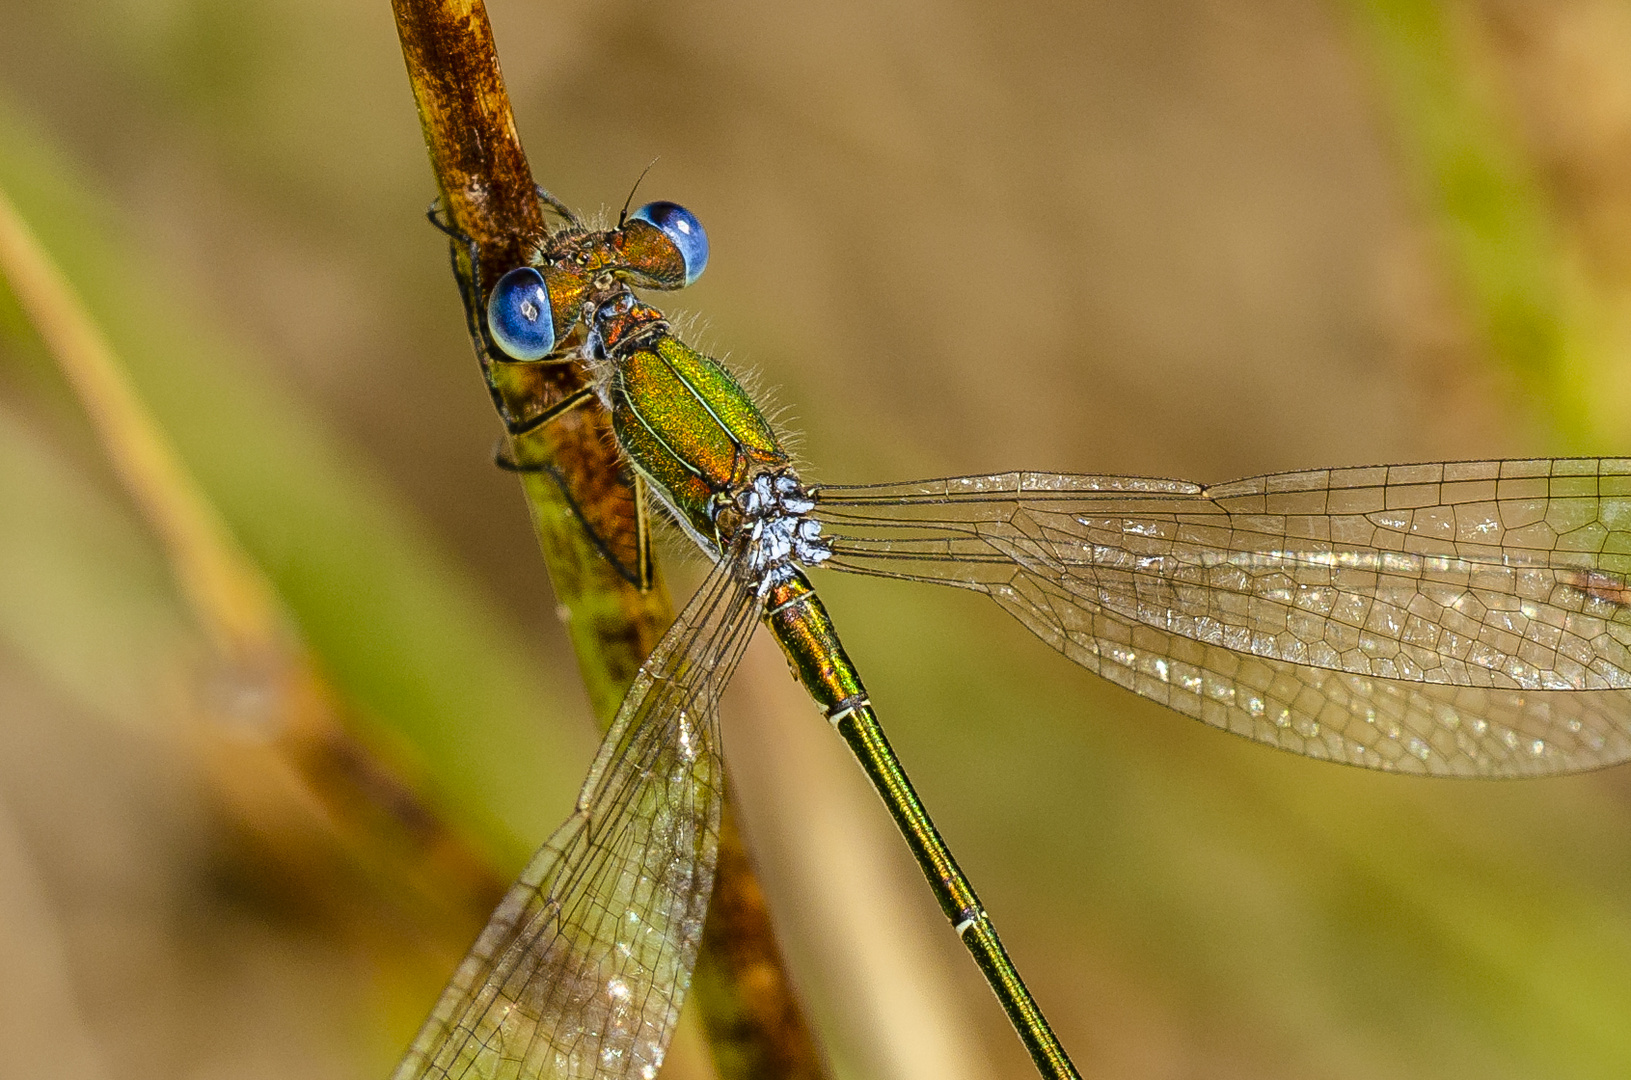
(687, 424)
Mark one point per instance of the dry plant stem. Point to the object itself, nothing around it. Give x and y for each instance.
(276, 749)
(754, 1023)
(487, 191)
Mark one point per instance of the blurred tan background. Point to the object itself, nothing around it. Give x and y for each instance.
(1181, 238)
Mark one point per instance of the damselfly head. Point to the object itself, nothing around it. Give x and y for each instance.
(659, 246)
(520, 316)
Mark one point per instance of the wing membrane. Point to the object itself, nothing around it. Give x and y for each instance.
(1467, 618)
(583, 967)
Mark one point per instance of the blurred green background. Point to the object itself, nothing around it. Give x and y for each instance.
(1180, 238)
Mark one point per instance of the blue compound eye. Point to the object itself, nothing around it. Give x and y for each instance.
(519, 315)
(683, 230)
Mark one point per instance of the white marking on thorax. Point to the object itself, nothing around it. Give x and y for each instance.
(776, 529)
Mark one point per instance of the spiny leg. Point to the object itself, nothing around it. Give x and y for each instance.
(559, 207)
(579, 397)
(642, 573)
(467, 277)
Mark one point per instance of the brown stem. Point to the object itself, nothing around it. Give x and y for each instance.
(487, 192)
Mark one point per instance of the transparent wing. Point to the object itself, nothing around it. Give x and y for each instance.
(583, 967)
(1467, 618)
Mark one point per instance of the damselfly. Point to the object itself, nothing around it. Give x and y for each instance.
(1467, 619)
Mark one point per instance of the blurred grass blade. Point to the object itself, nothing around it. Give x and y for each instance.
(412, 642)
(42, 1024)
(1536, 308)
(231, 598)
(271, 727)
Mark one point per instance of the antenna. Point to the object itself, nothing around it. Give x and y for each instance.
(623, 215)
